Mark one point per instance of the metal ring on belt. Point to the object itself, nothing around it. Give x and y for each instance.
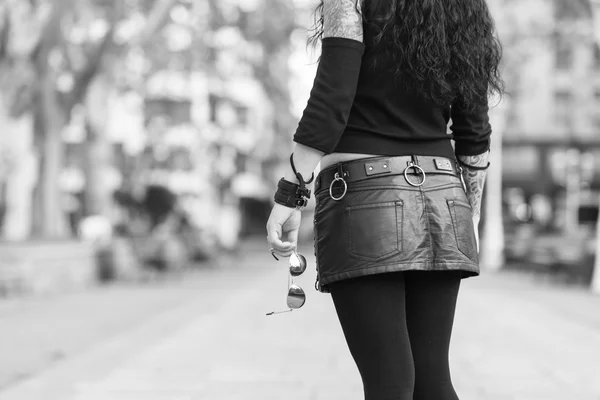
(418, 168)
(336, 178)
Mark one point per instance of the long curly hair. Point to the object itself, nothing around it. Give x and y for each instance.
(447, 50)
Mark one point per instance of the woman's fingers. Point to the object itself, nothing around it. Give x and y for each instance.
(283, 218)
(293, 237)
(280, 248)
(274, 236)
(285, 254)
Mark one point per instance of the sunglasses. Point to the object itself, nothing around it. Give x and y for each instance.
(296, 296)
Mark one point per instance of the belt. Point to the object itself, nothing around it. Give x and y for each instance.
(376, 167)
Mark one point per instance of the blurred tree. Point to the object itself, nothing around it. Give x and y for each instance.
(50, 52)
(58, 58)
(268, 25)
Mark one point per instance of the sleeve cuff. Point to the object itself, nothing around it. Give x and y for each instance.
(471, 149)
(343, 42)
(298, 139)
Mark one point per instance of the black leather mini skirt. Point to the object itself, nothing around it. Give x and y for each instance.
(387, 214)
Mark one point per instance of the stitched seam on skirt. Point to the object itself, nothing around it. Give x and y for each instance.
(440, 188)
(403, 188)
(352, 189)
(470, 267)
(397, 187)
(426, 212)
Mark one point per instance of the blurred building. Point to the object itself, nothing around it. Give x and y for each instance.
(553, 124)
(551, 142)
(558, 91)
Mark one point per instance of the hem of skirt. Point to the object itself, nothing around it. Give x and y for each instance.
(468, 270)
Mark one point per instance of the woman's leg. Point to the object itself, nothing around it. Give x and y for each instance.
(430, 304)
(371, 310)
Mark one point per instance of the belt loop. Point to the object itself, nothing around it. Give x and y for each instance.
(341, 173)
(459, 170)
(458, 167)
(415, 159)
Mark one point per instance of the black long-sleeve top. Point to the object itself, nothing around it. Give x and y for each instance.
(354, 108)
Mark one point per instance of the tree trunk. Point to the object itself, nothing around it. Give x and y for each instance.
(98, 151)
(98, 159)
(492, 249)
(21, 179)
(492, 244)
(596, 276)
(50, 120)
(53, 218)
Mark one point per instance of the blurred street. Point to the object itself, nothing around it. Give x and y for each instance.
(205, 336)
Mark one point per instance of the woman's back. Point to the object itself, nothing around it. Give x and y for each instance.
(423, 63)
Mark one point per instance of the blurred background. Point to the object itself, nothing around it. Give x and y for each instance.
(163, 122)
(141, 142)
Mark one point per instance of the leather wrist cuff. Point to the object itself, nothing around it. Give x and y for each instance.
(287, 186)
(291, 195)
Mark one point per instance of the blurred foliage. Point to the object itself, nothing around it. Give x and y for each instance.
(72, 40)
(51, 52)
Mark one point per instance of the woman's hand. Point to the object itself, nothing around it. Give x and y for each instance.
(283, 224)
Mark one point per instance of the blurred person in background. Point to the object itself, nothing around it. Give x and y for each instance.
(397, 206)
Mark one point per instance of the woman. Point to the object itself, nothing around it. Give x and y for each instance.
(398, 206)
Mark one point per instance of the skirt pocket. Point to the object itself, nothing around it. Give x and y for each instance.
(464, 231)
(374, 231)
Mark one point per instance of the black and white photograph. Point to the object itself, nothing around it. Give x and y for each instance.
(299, 199)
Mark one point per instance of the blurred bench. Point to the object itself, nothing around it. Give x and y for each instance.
(36, 267)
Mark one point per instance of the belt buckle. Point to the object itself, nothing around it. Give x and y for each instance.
(418, 169)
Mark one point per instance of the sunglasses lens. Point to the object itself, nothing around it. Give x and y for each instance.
(296, 297)
(297, 264)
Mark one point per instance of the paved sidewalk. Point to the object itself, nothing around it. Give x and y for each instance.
(513, 340)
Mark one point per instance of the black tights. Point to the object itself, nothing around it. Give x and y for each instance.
(398, 326)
